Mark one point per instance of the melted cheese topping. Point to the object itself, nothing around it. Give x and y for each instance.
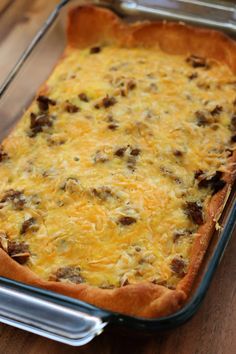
(106, 182)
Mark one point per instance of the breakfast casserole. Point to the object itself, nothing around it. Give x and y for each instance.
(113, 181)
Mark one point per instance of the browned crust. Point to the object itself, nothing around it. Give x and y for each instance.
(89, 26)
(144, 299)
(205, 232)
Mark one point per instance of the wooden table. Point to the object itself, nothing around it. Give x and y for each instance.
(211, 331)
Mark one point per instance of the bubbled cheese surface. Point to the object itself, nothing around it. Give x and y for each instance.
(78, 185)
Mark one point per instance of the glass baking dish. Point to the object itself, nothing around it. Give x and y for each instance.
(56, 316)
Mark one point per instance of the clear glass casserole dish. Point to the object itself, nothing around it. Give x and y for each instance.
(56, 316)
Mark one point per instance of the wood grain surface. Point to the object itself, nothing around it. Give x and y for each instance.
(19, 22)
(210, 331)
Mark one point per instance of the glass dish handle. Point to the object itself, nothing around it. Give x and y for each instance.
(47, 318)
(217, 14)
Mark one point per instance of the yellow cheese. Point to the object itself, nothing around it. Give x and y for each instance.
(78, 187)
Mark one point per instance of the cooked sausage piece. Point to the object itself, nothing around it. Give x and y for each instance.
(44, 102)
(69, 273)
(217, 110)
(27, 225)
(233, 122)
(95, 50)
(135, 152)
(216, 183)
(19, 251)
(83, 97)
(108, 101)
(197, 62)
(178, 266)
(120, 152)
(38, 122)
(127, 220)
(71, 108)
(194, 212)
(16, 197)
(3, 155)
(201, 118)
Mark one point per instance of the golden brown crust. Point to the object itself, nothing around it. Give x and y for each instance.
(205, 232)
(90, 26)
(173, 38)
(179, 38)
(144, 299)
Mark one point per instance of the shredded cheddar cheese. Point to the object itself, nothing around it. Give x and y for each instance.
(109, 175)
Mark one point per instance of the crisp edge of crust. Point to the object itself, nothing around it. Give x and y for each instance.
(144, 299)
